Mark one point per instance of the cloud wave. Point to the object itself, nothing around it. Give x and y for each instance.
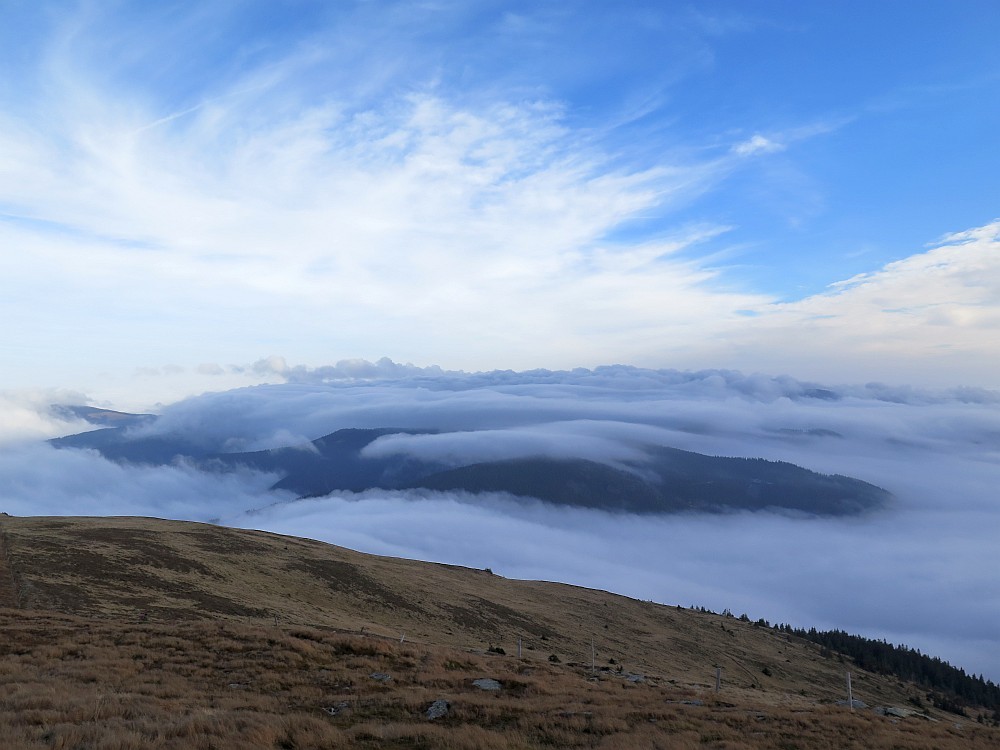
(919, 572)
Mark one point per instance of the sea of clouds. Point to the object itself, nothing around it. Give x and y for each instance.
(921, 571)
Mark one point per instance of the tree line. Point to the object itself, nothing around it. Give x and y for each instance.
(951, 688)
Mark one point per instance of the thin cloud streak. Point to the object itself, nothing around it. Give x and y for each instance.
(341, 216)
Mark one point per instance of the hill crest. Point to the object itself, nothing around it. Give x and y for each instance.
(141, 580)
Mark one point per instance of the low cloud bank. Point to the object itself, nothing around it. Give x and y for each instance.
(920, 572)
(607, 442)
(27, 415)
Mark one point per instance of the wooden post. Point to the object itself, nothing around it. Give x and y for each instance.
(718, 679)
(519, 647)
(850, 694)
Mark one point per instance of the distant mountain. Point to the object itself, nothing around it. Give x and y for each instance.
(586, 484)
(675, 481)
(119, 444)
(669, 480)
(330, 463)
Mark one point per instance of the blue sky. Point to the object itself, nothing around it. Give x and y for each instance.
(796, 188)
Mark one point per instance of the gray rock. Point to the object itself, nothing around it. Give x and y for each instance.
(486, 683)
(438, 709)
(338, 709)
(635, 677)
(381, 677)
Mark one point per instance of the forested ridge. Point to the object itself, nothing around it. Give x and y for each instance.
(950, 688)
(660, 479)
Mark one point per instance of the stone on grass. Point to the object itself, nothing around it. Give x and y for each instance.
(486, 683)
(337, 709)
(438, 709)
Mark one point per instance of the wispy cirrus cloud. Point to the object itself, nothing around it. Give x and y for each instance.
(413, 217)
(440, 183)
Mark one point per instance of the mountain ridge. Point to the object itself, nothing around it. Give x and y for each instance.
(663, 480)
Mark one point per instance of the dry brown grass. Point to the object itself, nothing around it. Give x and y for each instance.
(176, 673)
(70, 682)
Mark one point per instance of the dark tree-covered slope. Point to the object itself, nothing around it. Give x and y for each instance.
(665, 480)
(951, 688)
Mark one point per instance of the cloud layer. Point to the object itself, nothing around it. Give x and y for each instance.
(932, 310)
(183, 190)
(919, 572)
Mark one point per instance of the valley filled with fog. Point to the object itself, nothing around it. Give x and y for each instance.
(919, 569)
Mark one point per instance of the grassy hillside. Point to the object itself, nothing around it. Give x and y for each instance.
(134, 633)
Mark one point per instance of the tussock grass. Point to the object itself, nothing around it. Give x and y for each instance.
(139, 633)
(72, 682)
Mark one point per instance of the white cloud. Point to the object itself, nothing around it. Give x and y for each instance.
(284, 204)
(27, 415)
(928, 318)
(417, 225)
(304, 202)
(40, 480)
(604, 441)
(757, 144)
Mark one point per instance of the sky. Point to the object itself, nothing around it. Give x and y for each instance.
(786, 188)
(589, 225)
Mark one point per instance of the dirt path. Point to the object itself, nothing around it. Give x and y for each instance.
(8, 595)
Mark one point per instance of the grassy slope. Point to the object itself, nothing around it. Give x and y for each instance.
(175, 632)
